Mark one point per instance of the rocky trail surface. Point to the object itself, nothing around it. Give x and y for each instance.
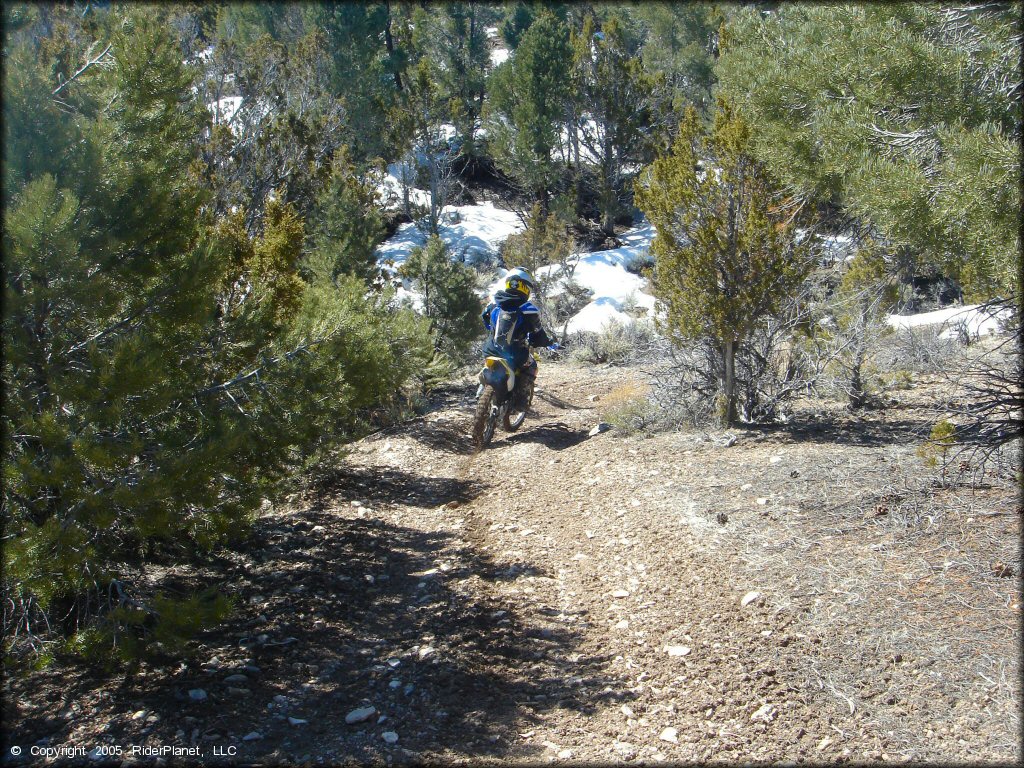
(799, 593)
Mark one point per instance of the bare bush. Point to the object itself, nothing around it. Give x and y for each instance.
(616, 344)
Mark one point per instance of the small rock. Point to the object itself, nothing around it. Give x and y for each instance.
(623, 624)
(139, 715)
(281, 700)
(390, 737)
(627, 710)
(620, 593)
(593, 398)
(624, 748)
(762, 501)
(297, 721)
(677, 650)
(765, 713)
(1002, 570)
(589, 534)
(774, 459)
(360, 715)
(238, 692)
(669, 734)
(197, 694)
(252, 669)
(746, 486)
(232, 679)
(824, 743)
(253, 736)
(600, 427)
(748, 598)
(565, 754)
(427, 651)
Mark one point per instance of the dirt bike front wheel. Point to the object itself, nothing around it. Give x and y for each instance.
(514, 417)
(486, 418)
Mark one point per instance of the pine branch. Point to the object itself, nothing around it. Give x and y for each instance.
(88, 64)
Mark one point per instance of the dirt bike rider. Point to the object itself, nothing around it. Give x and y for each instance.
(514, 325)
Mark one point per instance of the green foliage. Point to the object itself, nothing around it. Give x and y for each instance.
(616, 92)
(450, 300)
(907, 115)
(165, 366)
(347, 225)
(725, 250)
(527, 106)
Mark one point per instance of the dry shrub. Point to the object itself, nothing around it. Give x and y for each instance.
(629, 409)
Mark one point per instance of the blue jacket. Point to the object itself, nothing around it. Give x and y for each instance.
(513, 323)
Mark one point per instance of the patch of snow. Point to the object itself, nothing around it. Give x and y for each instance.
(224, 109)
(499, 56)
(971, 320)
(471, 231)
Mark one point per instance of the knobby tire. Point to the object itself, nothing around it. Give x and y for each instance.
(484, 422)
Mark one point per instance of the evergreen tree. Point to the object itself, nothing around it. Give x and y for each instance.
(907, 115)
(347, 225)
(163, 369)
(618, 98)
(527, 107)
(725, 255)
(450, 299)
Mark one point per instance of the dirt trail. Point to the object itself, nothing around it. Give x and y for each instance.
(567, 597)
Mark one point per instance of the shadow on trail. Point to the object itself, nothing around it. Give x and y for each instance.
(338, 612)
(835, 428)
(556, 401)
(395, 486)
(557, 436)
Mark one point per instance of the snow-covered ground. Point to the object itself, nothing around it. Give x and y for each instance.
(970, 320)
(477, 231)
(473, 231)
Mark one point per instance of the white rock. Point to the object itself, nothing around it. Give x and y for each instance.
(297, 721)
(765, 713)
(590, 534)
(426, 651)
(677, 650)
(774, 459)
(197, 694)
(762, 501)
(627, 710)
(593, 398)
(565, 754)
(669, 734)
(390, 737)
(252, 736)
(620, 593)
(600, 427)
(748, 598)
(139, 715)
(625, 749)
(360, 715)
(746, 486)
(624, 624)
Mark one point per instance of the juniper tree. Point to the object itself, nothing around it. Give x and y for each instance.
(163, 369)
(450, 300)
(526, 109)
(906, 115)
(725, 253)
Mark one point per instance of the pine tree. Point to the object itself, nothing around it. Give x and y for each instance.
(527, 107)
(163, 368)
(725, 255)
(347, 225)
(450, 300)
(618, 97)
(906, 115)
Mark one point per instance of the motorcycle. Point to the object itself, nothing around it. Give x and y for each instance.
(503, 395)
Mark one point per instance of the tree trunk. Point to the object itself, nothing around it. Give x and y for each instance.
(729, 383)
